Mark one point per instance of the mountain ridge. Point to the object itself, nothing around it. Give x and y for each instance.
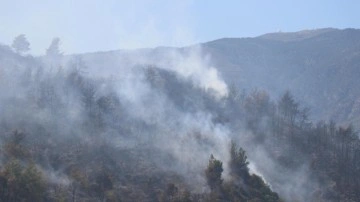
(308, 63)
(319, 66)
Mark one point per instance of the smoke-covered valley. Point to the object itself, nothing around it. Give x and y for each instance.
(173, 124)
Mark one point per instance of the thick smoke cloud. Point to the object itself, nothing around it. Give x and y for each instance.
(39, 96)
(168, 101)
(178, 132)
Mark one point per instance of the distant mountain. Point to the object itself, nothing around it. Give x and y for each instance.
(321, 67)
(296, 36)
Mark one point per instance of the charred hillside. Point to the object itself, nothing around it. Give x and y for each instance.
(161, 125)
(69, 136)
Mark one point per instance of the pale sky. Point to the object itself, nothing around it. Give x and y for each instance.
(100, 25)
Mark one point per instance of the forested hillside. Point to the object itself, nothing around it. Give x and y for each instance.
(320, 67)
(67, 135)
(130, 127)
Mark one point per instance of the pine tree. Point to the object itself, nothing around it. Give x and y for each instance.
(21, 44)
(213, 173)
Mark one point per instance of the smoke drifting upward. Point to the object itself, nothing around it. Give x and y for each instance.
(192, 64)
(167, 95)
(142, 103)
(164, 109)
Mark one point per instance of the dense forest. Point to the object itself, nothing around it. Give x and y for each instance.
(154, 134)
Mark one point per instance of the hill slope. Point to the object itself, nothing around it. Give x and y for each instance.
(321, 67)
(141, 125)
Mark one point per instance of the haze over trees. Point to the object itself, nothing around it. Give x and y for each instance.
(319, 66)
(21, 44)
(54, 49)
(147, 130)
(53, 54)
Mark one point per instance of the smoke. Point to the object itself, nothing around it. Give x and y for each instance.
(294, 184)
(189, 136)
(165, 101)
(55, 104)
(192, 64)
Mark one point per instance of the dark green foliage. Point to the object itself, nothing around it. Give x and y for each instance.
(20, 183)
(213, 173)
(238, 162)
(292, 140)
(243, 186)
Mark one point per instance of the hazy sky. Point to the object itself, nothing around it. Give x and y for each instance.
(91, 25)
